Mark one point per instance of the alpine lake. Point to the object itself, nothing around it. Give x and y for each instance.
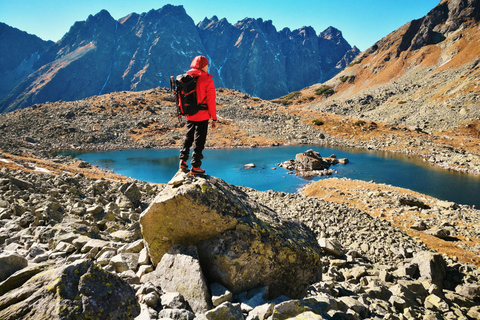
(160, 165)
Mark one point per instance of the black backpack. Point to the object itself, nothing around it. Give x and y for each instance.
(185, 87)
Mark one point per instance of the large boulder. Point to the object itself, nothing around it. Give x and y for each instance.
(77, 291)
(311, 163)
(241, 244)
(310, 160)
(432, 266)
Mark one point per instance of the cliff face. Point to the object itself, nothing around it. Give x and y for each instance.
(140, 52)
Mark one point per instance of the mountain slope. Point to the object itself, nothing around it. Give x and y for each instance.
(142, 51)
(19, 53)
(424, 75)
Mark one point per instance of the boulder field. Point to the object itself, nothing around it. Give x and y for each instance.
(79, 248)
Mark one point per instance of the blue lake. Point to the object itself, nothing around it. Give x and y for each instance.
(160, 165)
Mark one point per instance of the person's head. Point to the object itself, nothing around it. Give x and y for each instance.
(199, 62)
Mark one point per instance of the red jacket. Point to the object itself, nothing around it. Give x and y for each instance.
(205, 90)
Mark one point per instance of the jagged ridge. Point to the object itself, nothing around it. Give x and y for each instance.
(140, 52)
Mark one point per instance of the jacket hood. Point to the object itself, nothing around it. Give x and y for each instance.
(199, 62)
(198, 73)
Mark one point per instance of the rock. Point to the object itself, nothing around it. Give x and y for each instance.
(180, 271)
(431, 266)
(34, 251)
(77, 291)
(225, 311)
(241, 244)
(91, 244)
(474, 312)
(94, 210)
(402, 292)
(125, 261)
(439, 232)
(408, 270)
(261, 312)
(172, 300)
(132, 192)
(143, 258)
(151, 299)
(65, 247)
(436, 303)
(134, 247)
(309, 160)
(144, 269)
(310, 164)
(410, 201)
(130, 277)
(220, 294)
(309, 315)
(355, 305)
(20, 277)
(292, 308)
(22, 184)
(331, 246)
(177, 314)
(470, 290)
(256, 297)
(447, 204)
(105, 255)
(11, 263)
(419, 225)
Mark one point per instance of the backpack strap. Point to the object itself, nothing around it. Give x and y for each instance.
(202, 105)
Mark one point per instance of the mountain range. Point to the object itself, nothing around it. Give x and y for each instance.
(141, 51)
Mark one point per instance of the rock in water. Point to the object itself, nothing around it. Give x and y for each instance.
(309, 160)
(241, 244)
(77, 291)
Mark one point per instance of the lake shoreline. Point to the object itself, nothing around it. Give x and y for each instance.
(158, 165)
(420, 156)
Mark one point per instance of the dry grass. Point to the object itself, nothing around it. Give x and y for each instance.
(352, 193)
(30, 163)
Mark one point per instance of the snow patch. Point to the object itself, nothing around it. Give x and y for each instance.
(4, 160)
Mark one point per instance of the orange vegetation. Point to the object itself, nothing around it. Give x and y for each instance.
(353, 193)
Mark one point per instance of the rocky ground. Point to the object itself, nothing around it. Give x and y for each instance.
(57, 210)
(371, 269)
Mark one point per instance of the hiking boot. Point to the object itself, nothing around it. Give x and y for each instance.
(183, 165)
(198, 170)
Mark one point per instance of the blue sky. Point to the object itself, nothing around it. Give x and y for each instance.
(362, 22)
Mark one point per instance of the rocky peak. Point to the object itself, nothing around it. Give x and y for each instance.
(306, 32)
(331, 33)
(442, 20)
(170, 9)
(214, 23)
(207, 22)
(102, 16)
(256, 25)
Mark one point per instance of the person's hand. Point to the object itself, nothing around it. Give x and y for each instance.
(214, 125)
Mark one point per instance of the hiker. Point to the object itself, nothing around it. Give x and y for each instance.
(197, 124)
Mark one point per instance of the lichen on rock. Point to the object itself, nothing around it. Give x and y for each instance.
(241, 243)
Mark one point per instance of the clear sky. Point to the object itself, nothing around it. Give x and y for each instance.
(362, 22)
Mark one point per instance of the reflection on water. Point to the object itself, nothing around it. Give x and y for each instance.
(160, 165)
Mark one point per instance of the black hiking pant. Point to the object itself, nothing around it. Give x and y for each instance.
(196, 133)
